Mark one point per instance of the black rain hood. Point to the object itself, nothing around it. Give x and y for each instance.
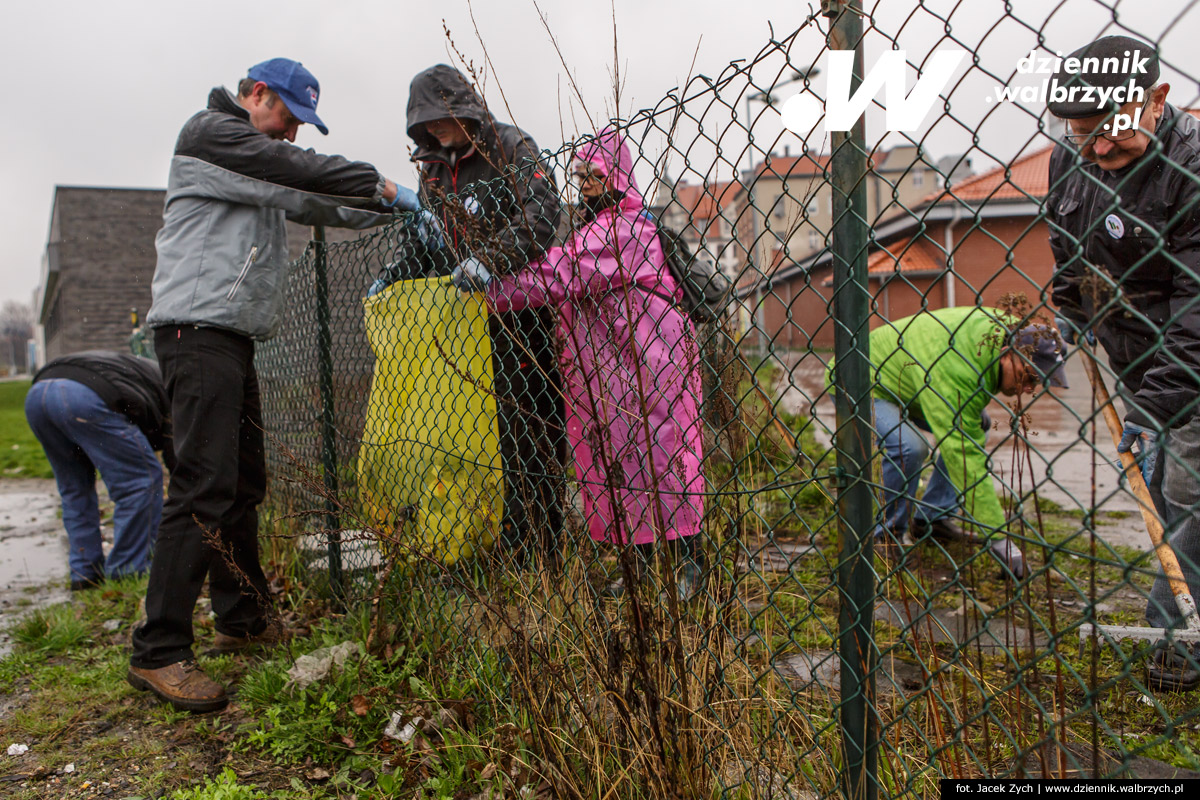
(441, 92)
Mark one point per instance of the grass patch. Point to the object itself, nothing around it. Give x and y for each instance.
(20, 453)
(225, 787)
(533, 683)
(69, 702)
(51, 630)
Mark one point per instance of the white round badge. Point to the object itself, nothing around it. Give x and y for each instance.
(1114, 225)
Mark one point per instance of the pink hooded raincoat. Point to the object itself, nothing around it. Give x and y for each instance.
(630, 364)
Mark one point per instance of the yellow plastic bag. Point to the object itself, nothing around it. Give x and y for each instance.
(429, 470)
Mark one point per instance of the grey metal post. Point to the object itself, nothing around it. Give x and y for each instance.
(856, 506)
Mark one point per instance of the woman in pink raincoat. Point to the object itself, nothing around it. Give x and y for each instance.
(631, 367)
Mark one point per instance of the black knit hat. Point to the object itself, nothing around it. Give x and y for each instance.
(1100, 76)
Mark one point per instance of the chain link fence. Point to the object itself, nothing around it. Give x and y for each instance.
(811, 547)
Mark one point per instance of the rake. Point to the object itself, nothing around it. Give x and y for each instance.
(1166, 556)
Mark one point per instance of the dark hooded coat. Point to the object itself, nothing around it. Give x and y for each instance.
(498, 203)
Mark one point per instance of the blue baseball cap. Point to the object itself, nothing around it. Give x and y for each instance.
(296, 86)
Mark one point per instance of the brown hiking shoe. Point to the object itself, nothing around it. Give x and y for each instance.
(182, 684)
(269, 636)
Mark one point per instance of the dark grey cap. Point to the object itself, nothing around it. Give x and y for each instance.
(1043, 346)
(1118, 60)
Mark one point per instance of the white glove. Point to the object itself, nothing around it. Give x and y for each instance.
(471, 276)
(1010, 556)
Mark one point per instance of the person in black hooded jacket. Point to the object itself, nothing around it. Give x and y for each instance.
(499, 207)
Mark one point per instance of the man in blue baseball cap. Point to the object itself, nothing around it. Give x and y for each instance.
(293, 84)
(219, 285)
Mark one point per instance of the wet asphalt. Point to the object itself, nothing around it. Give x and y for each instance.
(33, 549)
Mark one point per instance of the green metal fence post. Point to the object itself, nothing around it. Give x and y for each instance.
(328, 440)
(851, 306)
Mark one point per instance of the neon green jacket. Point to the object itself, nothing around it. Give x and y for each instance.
(942, 367)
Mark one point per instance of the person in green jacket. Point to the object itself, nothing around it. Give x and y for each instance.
(936, 371)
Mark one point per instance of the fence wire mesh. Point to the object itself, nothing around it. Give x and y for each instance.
(644, 528)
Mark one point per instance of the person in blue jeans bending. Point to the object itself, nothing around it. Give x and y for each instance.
(937, 371)
(106, 411)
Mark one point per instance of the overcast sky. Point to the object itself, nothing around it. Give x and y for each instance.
(97, 91)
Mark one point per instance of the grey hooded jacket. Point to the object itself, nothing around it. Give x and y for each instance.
(222, 250)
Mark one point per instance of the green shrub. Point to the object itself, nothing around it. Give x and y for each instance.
(225, 787)
(294, 724)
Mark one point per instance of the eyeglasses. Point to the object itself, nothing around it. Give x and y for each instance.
(585, 175)
(1084, 139)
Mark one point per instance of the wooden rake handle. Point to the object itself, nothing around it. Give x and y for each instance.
(1166, 556)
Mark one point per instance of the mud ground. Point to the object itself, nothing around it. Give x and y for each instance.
(33, 550)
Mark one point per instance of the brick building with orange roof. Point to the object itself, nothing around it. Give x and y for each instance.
(974, 242)
(705, 216)
(970, 243)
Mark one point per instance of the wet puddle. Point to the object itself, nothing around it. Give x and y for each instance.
(33, 550)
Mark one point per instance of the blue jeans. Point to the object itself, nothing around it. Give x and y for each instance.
(1176, 491)
(81, 434)
(905, 453)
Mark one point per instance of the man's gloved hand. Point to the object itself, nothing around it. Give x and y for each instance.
(471, 276)
(1147, 442)
(428, 229)
(985, 421)
(1069, 331)
(1010, 556)
(387, 276)
(405, 200)
(377, 286)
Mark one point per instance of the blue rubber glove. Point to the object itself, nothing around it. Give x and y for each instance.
(405, 200)
(428, 229)
(470, 276)
(1069, 331)
(1009, 555)
(1147, 442)
(387, 276)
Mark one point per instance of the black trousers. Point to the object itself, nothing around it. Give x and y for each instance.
(532, 430)
(210, 519)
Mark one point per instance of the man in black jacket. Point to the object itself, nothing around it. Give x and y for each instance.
(499, 208)
(106, 411)
(1125, 231)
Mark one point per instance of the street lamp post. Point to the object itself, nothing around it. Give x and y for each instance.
(769, 100)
